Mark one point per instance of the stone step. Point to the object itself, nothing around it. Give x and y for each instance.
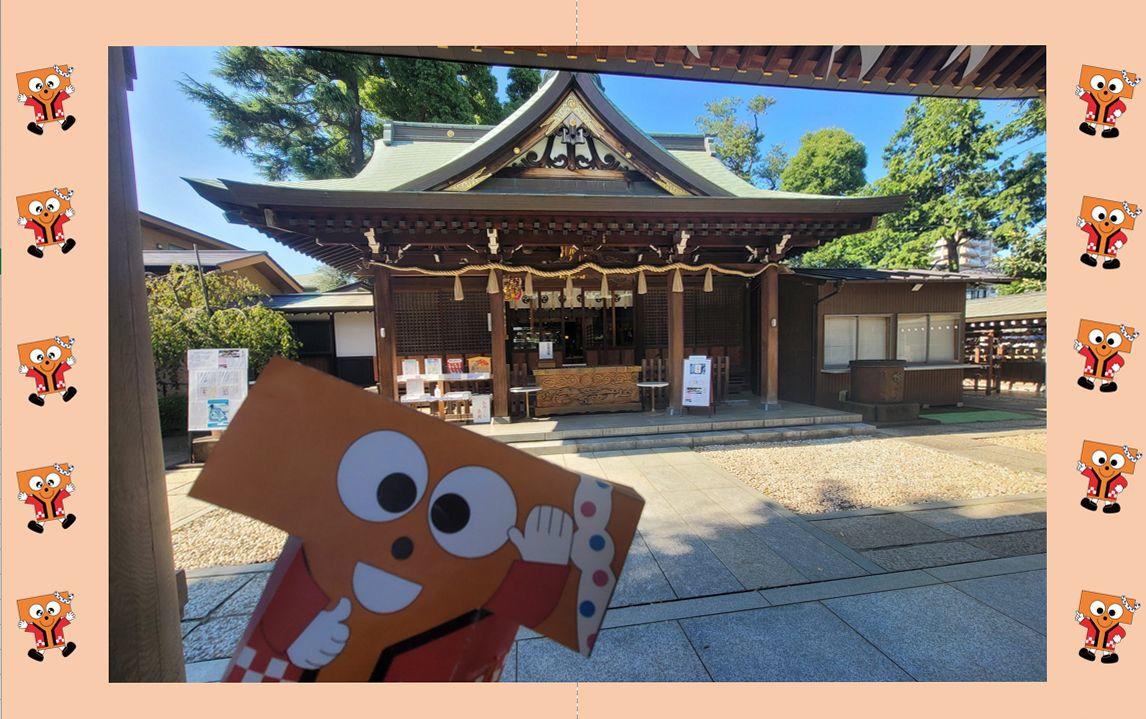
(693, 439)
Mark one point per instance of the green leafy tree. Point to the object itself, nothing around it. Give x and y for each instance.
(946, 159)
(829, 162)
(313, 114)
(775, 160)
(1026, 261)
(292, 112)
(231, 315)
(327, 278)
(521, 83)
(737, 134)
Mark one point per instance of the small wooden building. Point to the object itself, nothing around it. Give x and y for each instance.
(564, 224)
(1006, 340)
(832, 316)
(335, 330)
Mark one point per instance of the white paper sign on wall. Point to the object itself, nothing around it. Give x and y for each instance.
(697, 385)
(545, 350)
(217, 386)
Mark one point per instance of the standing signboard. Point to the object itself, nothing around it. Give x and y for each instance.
(697, 385)
(217, 385)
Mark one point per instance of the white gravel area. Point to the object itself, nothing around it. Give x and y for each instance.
(221, 537)
(1029, 441)
(828, 475)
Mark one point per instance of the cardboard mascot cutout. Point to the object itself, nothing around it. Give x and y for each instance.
(1102, 615)
(417, 548)
(1105, 467)
(1102, 345)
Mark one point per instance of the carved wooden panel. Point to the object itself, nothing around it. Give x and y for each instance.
(588, 389)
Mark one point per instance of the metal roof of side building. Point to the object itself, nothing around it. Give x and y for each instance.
(1024, 305)
(307, 302)
(859, 274)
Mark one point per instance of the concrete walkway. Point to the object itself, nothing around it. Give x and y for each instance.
(722, 584)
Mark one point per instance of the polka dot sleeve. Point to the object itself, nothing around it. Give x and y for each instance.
(593, 555)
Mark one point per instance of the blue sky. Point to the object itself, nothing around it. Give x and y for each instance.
(172, 135)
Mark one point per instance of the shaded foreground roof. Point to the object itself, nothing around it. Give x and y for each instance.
(980, 71)
(226, 260)
(1018, 306)
(866, 275)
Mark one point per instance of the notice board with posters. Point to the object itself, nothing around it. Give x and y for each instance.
(217, 386)
(697, 386)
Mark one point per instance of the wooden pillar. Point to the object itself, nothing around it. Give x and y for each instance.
(675, 359)
(770, 338)
(144, 644)
(385, 344)
(498, 360)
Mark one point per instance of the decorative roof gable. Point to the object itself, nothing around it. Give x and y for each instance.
(568, 126)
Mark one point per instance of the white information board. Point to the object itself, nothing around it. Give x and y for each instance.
(697, 386)
(217, 385)
(545, 350)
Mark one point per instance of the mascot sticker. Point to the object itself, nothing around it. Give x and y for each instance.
(1104, 91)
(44, 90)
(44, 617)
(417, 548)
(45, 362)
(44, 213)
(1105, 223)
(1102, 345)
(45, 489)
(1103, 617)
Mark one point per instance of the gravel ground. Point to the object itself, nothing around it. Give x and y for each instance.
(221, 537)
(828, 475)
(1029, 441)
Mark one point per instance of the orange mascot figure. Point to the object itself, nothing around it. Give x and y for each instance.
(45, 90)
(46, 488)
(44, 213)
(1104, 90)
(417, 549)
(1102, 345)
(46, 361)
(45, 617)
(1105, 467)
(1103, 616)
(1105, 223)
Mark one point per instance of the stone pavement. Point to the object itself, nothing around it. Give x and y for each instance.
(722, 584)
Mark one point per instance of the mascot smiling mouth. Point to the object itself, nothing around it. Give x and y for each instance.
(382, 592)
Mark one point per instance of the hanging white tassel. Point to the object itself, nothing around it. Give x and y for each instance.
(604, 286)
(677, 282)
(529, 284)
(642, 286)
(708, 280)
(569, 291)
(492, 286)
(458, 294)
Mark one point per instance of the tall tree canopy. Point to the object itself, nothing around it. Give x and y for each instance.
(947, 160)
(737, 136)
(313, 114)
(829, 162)
(521, 83)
